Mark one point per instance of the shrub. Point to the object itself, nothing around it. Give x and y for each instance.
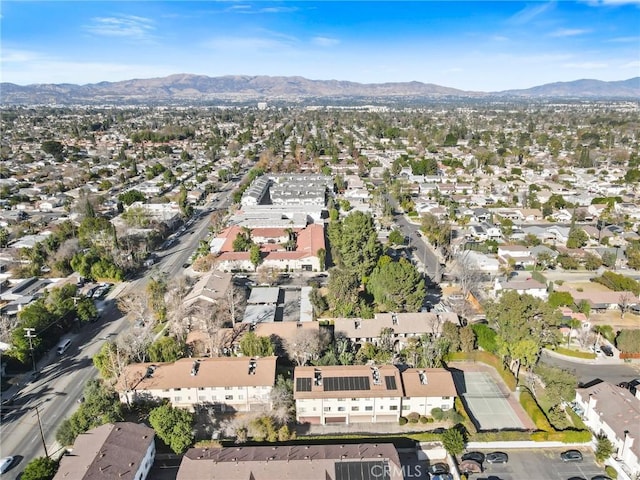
(437, 413)
(611, 472)
(534, 411)
(573, 353)
(402, 421)
(459, 408)
(413, 417)
(423, 419)
(566, 436)
(485, 337)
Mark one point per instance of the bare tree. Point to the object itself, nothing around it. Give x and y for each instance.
(305, 345)
(136, 304)
(469, 277)
(134, 344)
(6, 326)
(267, 274)
(625, 300)
(179, 314)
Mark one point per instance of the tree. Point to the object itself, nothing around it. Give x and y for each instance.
(624, 302)
(282, 399)
(396, 237)
(523, 325)
(453, 441)
(560, 385)
(396, 286)
(467, 339)
(628, 341)
(342, 295)
(557, 299)
(131, 196)
(604, 449)
(166, 349)
(41, 468)
(255, 255)
(451, 333)
(438, 232)
(253, 345)
(359, 247)
(305, 345)
(173, 426)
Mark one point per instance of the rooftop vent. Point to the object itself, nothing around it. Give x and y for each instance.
(252, 366)
(423, 377)
(194, 368)
(375, 373)
(357, 324)
(394, 318)
(150, 370)
(317, 376)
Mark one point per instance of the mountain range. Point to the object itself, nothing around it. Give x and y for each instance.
(187, 88)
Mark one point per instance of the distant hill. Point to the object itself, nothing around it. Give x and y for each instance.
(186, 88)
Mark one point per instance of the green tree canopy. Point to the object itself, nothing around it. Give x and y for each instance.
(453, 441)
(166, 349)
(359, 246)
(396, 286)
(523, 324)
(628, 341)
(173, 426)
(41, 468)
(342, 293)
(131, 196)
(252, 345)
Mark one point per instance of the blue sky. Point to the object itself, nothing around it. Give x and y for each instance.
(485, 46)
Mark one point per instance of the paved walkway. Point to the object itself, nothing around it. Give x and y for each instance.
(373, 428)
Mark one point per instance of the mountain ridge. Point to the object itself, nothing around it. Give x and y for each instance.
(185, 87)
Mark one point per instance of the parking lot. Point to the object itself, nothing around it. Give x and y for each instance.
(540, 464)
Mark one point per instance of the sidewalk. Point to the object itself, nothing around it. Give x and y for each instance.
(368, 428)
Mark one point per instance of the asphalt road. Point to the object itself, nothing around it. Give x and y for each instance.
(587, 372)
(55, 393)
(423, 252)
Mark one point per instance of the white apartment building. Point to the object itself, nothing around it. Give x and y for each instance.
(368, 394)
(614, 412)
(227, 384)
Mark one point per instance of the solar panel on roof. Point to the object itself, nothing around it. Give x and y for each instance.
(390, 380)
(303, 384)
(367, 470)
(338, 384)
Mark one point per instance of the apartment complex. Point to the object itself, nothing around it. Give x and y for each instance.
(369, 394)
(614, 412)
(227, 384)
(121, 450)
(378, 461)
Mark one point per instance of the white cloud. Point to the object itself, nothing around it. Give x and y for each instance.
(325, 41)
(634, 64)
(530, 12)
(568, 32)
(624, 40)
(130, 26)
(609, 3)
(18, 56)
(586, 65)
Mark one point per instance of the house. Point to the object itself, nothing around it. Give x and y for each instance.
(121, 450)
(614, 412)
(227, 384)
(527, 286)
(347, 394)
(519, 254)
(292, 462)
(599, 300)
(211, 288)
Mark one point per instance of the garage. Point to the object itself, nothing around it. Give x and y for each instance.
(311, 420)
(328, 420)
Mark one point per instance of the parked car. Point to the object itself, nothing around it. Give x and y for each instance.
(497, 457)
(577, 478)
(607, 350)
(600, 477)
(438, 468)
(475, 456)
(442, 476)
(571, 456)
(6, 463)
(470, 466)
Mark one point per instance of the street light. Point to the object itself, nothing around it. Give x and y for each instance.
(29, 333)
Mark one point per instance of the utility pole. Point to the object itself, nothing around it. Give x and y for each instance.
(44, 443)
(29, 333)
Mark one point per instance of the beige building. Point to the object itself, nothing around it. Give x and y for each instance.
(379, 461)
(403, 326)
(121, 450)
(227, 384)
(368, 394)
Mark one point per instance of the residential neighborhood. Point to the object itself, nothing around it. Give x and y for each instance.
(465, 277)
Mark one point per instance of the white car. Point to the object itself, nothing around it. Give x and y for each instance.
(6, 463)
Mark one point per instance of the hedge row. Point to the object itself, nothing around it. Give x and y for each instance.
(573, 353)
(534, 411)
(575, 418)
(489, 359)
(564, 436)
(459, 407)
